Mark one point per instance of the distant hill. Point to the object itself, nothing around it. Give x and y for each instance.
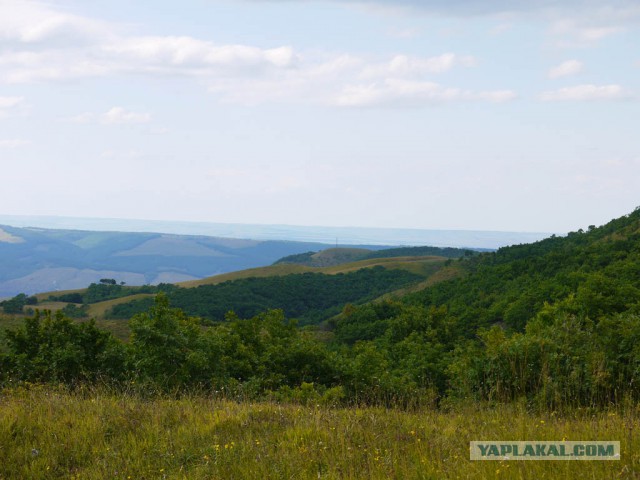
(338, 256)
(351, 236)
(326, 258)
(553, 324)
(37, 259)
(308, 297)
(310, 294)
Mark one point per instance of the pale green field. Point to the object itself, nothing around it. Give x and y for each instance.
(47, 433)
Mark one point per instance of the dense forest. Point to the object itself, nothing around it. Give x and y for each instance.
(307, 297)
(555, 323)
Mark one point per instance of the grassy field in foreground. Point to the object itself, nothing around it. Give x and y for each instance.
(46, 433)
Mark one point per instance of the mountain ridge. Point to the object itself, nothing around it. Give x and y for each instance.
(36, 259)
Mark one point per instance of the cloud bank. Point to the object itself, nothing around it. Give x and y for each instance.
(51, 46)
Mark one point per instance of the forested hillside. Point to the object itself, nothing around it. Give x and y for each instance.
(555, 322)
(594, 273)
(308, 297)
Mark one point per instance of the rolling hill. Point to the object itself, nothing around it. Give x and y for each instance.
(310, 294)
(338, 256)
(553, 324)
(37, 260)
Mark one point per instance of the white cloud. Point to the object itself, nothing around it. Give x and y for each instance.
(114, 116)
(565, 69)
(117, 155)
(584, 32)
(82, 118)
(146, 55)
(9, 104)
(45, 44)
(237, 73)
(346, 80)
(405, 65)
(586, 93)
(53, 65)
(118, 115)
(593, 34)
(34, 22)
(13, 143)
(409, 93)
(187, 53)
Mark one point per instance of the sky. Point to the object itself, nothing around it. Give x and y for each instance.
(507, 115)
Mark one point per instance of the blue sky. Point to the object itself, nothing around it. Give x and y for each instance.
(492, 115)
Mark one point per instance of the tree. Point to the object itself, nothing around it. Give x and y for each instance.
(15, 305)
(54, 348)
(162, 341)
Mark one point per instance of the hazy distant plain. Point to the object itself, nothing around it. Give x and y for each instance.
(322, 234)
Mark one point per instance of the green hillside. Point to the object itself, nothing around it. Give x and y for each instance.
(309, 296)
(326, 258)
(338, 256)
(415, 264)
(597, 271)
(554, 325)
(556, 321)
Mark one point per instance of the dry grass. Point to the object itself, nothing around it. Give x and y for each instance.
(97, 310)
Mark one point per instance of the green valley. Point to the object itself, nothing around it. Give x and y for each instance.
(548, 331)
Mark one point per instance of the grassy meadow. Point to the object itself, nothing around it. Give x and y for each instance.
(48, 432)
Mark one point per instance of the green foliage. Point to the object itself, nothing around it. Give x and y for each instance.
(130, 308)
(567, 361)
(447, 252)
(98, 292)
(172, 350)
(164, 344)
(299, 258)
(53, 348)
(337, 256)
(401, 358)
(309, 297)
(17, 303)
(71, 310)
(556, 323)
(75, 297)
(601, 267)
(108, 289)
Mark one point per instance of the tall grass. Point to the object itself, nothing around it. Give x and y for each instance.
(48, 433)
